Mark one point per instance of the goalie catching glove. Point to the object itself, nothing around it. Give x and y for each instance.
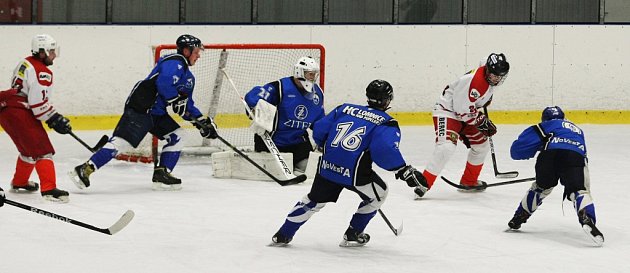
(206, 127)
(414, 178)
(485, 125)
(59, 123)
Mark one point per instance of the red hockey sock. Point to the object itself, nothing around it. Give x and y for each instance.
(471, 174)
(429, 177)
(23, 172)
(46, 171)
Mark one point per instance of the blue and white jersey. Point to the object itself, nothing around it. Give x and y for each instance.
(549, 135)
(297, 109)
(353, 137)
(172, 78)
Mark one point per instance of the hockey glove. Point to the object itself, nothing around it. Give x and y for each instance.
(414, 178)
(59, 123)
(179, 104)
(207, 128)
(485, 125)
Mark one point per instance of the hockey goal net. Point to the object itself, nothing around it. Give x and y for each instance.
(248, 65)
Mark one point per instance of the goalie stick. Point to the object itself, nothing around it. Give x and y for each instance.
(288, 173)
(96, 147)
(116, 227)
(497, 173)
(459, 186)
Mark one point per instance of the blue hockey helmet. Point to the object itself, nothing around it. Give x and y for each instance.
(552, 112)
(379, 94)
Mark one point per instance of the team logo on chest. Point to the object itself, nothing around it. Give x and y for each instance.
(316, 99)
(189, 83)
(301, 112)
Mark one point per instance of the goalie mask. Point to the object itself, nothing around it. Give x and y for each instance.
(552, 112)
(497, 69)
(306, 70)
(379, 94)
(45, 43)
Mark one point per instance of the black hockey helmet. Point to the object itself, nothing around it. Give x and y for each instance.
(497, 64)
(552, 112)
(187, 41)
(379, 93)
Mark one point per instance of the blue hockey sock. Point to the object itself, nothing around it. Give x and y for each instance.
(103, 156)
(359, 221)
(169, 159)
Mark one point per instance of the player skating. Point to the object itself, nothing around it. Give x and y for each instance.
(170, 83)
(290, 105)
(562, 158)
(353, 137)
(456, 116)
(22, 111)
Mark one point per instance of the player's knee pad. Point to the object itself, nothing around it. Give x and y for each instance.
(443, 151)
(304, 209)
(117, 144)
(534, 197)
(174, 141)
(478, 152)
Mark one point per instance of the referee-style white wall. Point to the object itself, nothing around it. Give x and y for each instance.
(578, 67)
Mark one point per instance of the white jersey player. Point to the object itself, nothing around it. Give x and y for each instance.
(456, 116)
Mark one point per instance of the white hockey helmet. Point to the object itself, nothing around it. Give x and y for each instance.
(45, 42)
(306, 70)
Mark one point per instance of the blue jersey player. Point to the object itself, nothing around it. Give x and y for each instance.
(562, 157)
(299, 102)
(170, 83)
(353, 137)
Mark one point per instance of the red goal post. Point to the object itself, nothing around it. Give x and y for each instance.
(249, 65)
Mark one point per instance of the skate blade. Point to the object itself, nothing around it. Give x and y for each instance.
(598, 240)
(274, 244)
(60, 199)
(345, 243)
(76, 180)
(157, 186)
(511, 230)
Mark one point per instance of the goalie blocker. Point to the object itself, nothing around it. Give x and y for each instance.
(230, 164)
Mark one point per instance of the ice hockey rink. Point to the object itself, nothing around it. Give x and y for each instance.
(224, 225)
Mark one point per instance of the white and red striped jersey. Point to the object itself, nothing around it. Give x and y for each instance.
(34, 82)
(462, 98)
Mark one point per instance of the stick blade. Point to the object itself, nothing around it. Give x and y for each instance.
(295, 180)
(399, 230)
(122, 222)
(506, 175)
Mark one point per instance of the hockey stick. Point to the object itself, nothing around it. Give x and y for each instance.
(116, 227)
(396, 231)
(497, 173)
(288, 173)
(459, 186)
(96, 147)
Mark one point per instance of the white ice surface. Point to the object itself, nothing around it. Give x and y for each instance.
(216, 225)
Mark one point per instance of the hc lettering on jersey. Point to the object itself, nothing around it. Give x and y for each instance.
(364, 115)
(300, 112)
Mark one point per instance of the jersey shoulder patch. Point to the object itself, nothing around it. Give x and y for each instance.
(478, 86)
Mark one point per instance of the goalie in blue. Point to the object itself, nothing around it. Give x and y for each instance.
(562, 158)
(353, 137)
(295, 103)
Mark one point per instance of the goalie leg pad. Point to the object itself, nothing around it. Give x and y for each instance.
(229, 164)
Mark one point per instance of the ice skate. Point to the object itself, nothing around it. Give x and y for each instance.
(164, 181)
(30, 187)
(589, 227)
(81, 175)
(479, 187)
(520, 217)
(56, 195)
(280, 240)
(352, 238)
